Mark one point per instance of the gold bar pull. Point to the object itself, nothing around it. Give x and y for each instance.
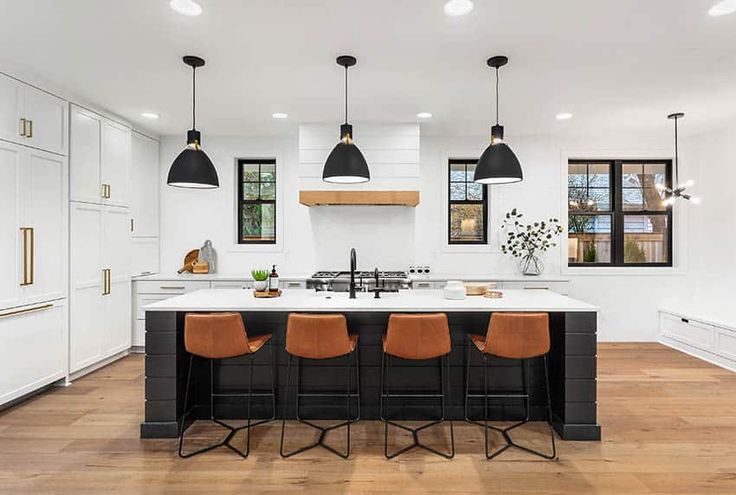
(23, 231)
(33, 255)
(132, 225)
(102, 190)
(104, 281)
(23, 127)
(29, 134)
(108, 191)
(109, 281)
(26, 310)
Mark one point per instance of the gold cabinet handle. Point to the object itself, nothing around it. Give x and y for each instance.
(23, 127)
(26, 310)
(108, 191)
(24, 235)
(33, 255)
(29, 134)
(104, 281)
(132, 225)
(109, 281)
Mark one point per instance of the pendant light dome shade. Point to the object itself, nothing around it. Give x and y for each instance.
(345, 163)
(498, 164)
(193, 168)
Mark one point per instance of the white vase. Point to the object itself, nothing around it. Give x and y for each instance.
(260, 285)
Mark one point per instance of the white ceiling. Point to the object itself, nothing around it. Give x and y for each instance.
(617, 65)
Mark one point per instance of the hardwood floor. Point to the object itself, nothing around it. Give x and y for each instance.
(669, 426)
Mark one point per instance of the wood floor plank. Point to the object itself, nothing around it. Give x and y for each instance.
(669, 426)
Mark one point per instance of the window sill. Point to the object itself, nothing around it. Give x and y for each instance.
(640, 271)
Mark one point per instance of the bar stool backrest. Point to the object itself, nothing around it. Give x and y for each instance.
(418, 336)
(518, 335)
(317, 336)
(215, 335)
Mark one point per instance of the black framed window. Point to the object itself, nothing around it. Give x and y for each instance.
(616, 215)
(257, 201)
(467, 205)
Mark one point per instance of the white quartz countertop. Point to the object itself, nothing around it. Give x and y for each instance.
(404, 301)
(207, 277)
(432, 277)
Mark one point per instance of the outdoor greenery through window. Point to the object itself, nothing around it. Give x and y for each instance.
(616, 215)
(257, 201)
(468, 205)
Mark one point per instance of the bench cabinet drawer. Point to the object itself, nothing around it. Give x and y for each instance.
(690, 332)
(173, 287)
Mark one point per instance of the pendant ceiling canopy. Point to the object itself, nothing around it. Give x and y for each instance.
(498, 164)
(193, 168)
(345, 163)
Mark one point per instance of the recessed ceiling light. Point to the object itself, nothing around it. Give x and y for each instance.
(280, 115)
(457, 8)
(186, 7)
(424, 115)
(563, 116)
(724, 7)
(150, 115)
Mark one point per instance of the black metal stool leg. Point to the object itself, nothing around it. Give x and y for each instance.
(323, 430)
(385, 380)
(505, 432)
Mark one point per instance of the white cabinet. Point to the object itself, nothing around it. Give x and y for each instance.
(151, 291)
(99, 159)
(144, 256)
(33, 225)
(144, 177)
(695, 333)
(116, 148)
(32, 348)
(100, 283)
(31, 116)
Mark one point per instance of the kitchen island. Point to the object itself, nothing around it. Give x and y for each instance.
(572, 358)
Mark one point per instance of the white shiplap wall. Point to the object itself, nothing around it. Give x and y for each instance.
(391, 150)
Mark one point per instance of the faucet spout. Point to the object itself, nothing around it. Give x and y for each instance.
(353, 264)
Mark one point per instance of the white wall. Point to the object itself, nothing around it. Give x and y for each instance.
(394, 237)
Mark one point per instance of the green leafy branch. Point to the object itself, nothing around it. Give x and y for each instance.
(527, 239)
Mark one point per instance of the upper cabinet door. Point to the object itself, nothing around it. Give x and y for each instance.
(10, 223)
(45, 212)
(84, 156)
(144, 190)
(11, 109)
(116, 162)
(46, 117)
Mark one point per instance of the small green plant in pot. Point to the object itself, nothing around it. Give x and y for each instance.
(260, 279)
(527, 241)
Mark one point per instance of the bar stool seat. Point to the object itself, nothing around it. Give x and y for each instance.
(519, 336)
(416, 337)
(221, 336)
(319, 337)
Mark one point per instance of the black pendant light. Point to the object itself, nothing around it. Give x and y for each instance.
(193, 168)
(498, 164)
(677, 190)
(346, 164)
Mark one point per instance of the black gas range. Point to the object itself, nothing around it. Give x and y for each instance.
(339, 281)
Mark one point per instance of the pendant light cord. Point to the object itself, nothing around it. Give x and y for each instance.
(194, 98)
(677, 161)
(496, 95)
(346, 95)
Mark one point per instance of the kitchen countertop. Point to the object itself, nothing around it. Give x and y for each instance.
(405, 301)
(432, 277)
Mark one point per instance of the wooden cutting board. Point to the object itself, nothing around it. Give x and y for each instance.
(266, 294)
(189, 260)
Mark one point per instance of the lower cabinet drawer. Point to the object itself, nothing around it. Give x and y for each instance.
(172, 287)
(232, 285)
(559, 287)
(690, 332)
(416, 284)
(293, 284)
(727, 343)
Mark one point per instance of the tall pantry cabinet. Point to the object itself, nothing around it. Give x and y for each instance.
(33, 239)
(100, 238)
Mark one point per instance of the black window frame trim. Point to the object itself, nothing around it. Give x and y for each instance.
(242, 201)
(450, 202)
(618, 214)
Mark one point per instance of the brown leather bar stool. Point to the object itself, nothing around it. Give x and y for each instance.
(221, 336)
(319, 337)
(520, 336)
(416, 337)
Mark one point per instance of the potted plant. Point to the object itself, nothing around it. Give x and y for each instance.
(260, 279)
(527, 241)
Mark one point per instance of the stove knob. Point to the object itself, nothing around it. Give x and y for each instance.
(426, 269)
(412, 269)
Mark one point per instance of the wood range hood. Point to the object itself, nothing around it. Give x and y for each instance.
(352, 198)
